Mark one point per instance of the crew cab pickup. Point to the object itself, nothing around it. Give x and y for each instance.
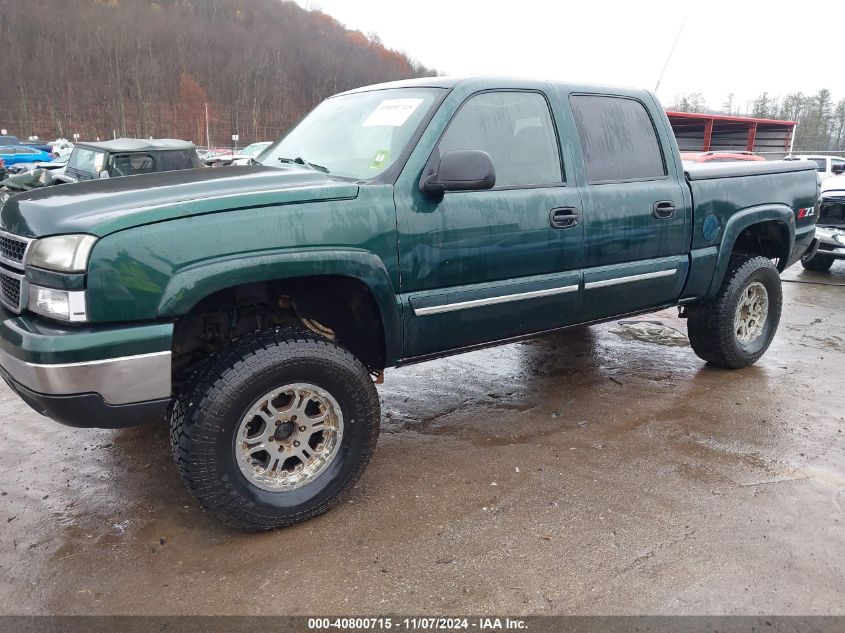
(255, 308)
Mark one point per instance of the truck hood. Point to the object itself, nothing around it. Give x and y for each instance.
(101, 207)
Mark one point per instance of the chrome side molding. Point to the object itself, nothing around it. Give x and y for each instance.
(476, 303)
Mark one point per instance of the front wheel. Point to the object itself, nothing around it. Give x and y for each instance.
(736, 327)
(275, 429)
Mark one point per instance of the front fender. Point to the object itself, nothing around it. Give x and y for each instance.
(193, 283)
(740, 221)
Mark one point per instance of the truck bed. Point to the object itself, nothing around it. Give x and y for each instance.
(726, 197)
(739, 169)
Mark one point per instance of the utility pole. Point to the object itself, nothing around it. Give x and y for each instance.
(207, 136)
(794, 130)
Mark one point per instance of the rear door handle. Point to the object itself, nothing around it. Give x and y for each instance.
(563, 217)
(664, 209)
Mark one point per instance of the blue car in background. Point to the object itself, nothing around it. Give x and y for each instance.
(14, 154)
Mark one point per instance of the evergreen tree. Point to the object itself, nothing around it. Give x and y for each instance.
(763, 107)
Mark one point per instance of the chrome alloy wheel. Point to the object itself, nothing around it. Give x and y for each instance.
(751, 313)
(289, 437)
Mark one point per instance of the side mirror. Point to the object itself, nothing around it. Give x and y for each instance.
(461, 170)
(103, 174)
(837, 169)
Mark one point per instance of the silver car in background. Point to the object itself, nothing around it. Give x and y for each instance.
(830, 226)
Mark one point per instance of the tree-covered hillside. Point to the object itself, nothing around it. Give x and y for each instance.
(147, 68)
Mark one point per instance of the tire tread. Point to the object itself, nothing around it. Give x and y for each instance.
(196, 415)
(710, 324)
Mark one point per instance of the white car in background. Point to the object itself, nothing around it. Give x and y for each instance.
(250, 151)
(62, 147)
(242, 157)
(827, 165)
(830, 226)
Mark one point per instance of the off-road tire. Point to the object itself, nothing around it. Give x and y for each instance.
(710, 325)
(818, 263)
(205, 418)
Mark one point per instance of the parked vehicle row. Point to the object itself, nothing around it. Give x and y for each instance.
(58, 147)
(109, 159)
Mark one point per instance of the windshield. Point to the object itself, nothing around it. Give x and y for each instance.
(355, 136)
(88, 160)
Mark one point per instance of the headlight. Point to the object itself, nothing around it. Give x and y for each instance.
(64, 253)
(67, 305)
(839, 237)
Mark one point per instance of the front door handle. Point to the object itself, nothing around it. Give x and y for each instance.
(664, 209)
(563, 217)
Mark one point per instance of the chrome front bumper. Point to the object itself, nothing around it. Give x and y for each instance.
(118, 381)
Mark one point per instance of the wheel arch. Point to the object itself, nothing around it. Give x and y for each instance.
(767, 230)
(325, 285)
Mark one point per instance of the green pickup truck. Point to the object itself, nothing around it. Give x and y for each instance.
(256, 307)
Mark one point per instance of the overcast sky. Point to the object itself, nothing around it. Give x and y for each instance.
(744, 47)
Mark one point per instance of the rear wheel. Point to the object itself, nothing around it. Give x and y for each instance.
(736, 327)
(275, 429)
(819, 263)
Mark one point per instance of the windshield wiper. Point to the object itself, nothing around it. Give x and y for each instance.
(301, 161)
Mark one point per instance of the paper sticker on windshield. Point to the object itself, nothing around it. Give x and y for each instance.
(380, 158)
(392, 112)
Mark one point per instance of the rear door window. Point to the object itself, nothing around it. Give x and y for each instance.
(515, 129)
(618, 139)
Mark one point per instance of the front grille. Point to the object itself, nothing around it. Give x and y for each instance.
(10, 290)
(12, 249)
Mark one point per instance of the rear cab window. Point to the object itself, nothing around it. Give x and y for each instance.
(515, 128)
(618, 139)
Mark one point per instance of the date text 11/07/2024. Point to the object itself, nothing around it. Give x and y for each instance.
(417, 624)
